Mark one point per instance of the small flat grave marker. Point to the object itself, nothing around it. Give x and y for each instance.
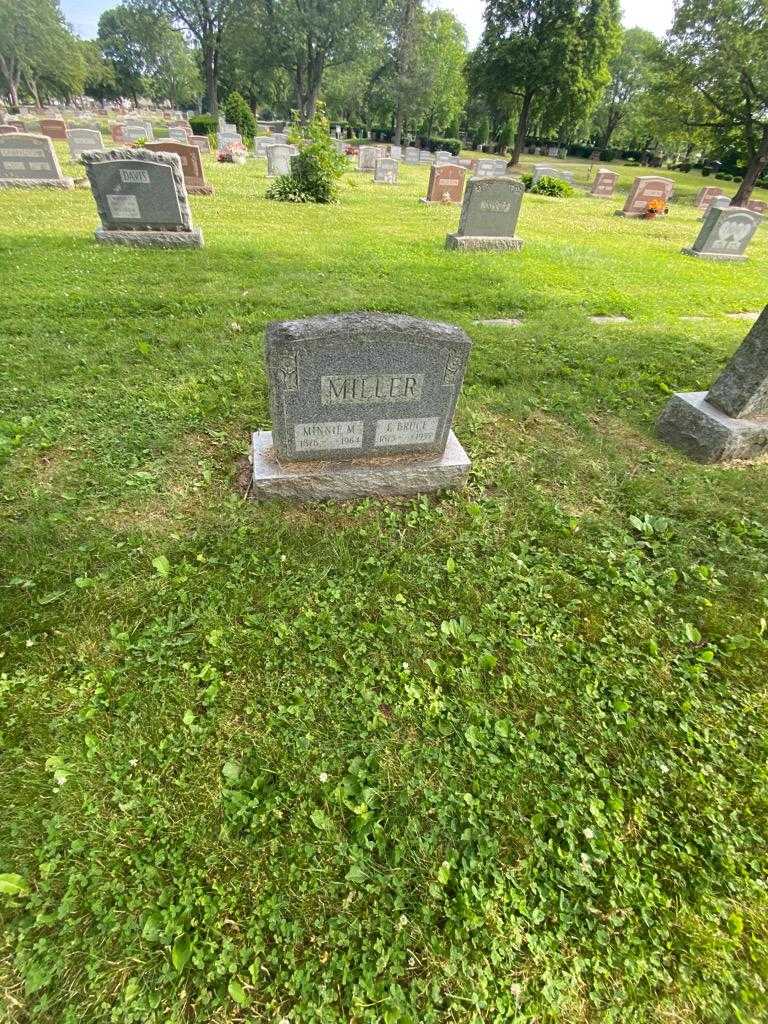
(725, 234)
(446, 184)
(83, 139)
(191, 164)
(644, 189)
(361, 404)
(30, 161)
(609, 319)
(504, 321)
(489, 215)
(730, 421)
(141, 199)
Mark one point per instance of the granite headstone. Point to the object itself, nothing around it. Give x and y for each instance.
(488, 167)
(191, 164)
(141, 199)
(30, 161)
(705, 196)
(9, 129)
(385, 171)
(53, 128)
(411, 155)
(730, 421)
(489, 215)
(547, 171)
(446, 184)
(725, 233)
(278, 160)
(644, 189)
(202, 142)
(361, 404)
(604, 184)
(83, 139)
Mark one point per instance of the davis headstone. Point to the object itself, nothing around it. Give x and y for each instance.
(385, 171)
(489, 215)
(604, 184)
(53, 128)
(191, 164)
(141, 199)
(725, 234)
(644, 189)
(278, 160)
(730, 421)
(29, 161)
(82, 139)
(446, 184)
(361, 404)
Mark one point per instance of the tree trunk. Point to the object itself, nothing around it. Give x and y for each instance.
(522, 128)
(757, 165)
(403, 66)
(209, 65)
(397, 135)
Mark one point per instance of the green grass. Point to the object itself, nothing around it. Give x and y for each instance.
(496, 756)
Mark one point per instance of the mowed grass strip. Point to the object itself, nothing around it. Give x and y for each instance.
(492, 756)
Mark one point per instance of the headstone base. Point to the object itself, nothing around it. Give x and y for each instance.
(152, 239)
(437, 202)
(37, 183)
(499, 243)
(199, 190)
(363, 478)
(712, 255)
(639, 216)
(705, 433)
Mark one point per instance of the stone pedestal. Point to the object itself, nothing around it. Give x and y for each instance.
(688, 251)
(499, 243)
(693, 425)
(372, 476)
(37, 183)
(152, 239)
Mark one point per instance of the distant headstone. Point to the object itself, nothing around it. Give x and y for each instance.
(8, 129)
(396, 152)
(705, 196)
(279, 139)
(644, 189)
(118, 132)
(411, 155)
(604, 184)
(53, 128)
(82, 139)
(489, 215)
(442, 156)
(719, 203)
(367, 157)
(226, 127)
(278, 160)
(425, 157)
(29, 161)
(487, 167)
(136, 133)
(730, 421)
(339, 145)
(562, 153)
(552, 151)
(385, 171)
(446, 184)
(361, 404)
(227, 138)
(725, 233)
(141, 199)
(202, 142)
(191, 164)
(757, 206)
(179, 134)
(260, 145)
(547, 171)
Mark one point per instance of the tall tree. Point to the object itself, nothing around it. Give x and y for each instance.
(551, 52)
(631, 73)
(206, 21)
(719, 47)
(406, 78)
(37, 50)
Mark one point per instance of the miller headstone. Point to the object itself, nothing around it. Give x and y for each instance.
(191, 164)
(730, 421)
(604, 184)
(141, 199)
(361, 404)
(83, 139)
(489, 215)
(725, 233)
(644, 189)
(29, 161)
(446, 184)
(278, 160)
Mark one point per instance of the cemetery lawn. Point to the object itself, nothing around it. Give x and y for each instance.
(496, 756)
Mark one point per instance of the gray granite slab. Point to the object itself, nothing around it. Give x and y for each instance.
(376, 477)
(489, 215)
(742, 387)
(30, 160)
(489, 167)
(385, 171)
(137, 132)
(278, 160)
(81, 140)
(358, 384)
(706, 434)
(411, 155)
(725, 233)
(547, 171)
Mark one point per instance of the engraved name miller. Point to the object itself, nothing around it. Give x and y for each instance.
(381, 387)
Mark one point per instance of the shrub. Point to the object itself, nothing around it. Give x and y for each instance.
(449, 145)
(555, 187)
(238, 113)
(203, 124)
(315, 171)
(606, 155)
(527, 180)
(706, 171)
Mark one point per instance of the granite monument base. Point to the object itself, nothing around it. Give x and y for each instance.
(693, 425)
(374, 477)
(499, 243)
(152, 239)
(37, 183)
(439, 202)
(688, 251)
